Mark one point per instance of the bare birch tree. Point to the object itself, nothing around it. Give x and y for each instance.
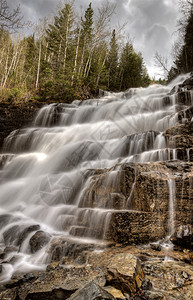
(10, 20)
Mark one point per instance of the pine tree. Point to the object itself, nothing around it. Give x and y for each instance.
(87, 24)
(86, 44)
(183, 58)
(112, 63)
(58, 36)
(30, 59)
(132, 70)
(184, 61)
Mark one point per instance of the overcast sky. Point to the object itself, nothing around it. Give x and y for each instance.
(151, 23)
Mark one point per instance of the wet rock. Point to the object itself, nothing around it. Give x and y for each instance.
(4, 158)
(144, 189)
(52, 266)
(91, 291)
(4, 219)
(183, 236)
(16, 116)
(29, 276)
(184, 98)
(10, 249)
(168, 278)
(180, 136)
(135, 227)
(64, 250)
(188, 82)
(24, 233)
(146, 285)
(155, 247)
(125, 273)
(55, 294)
(154, 295)
(114, 292)
(11, 234)
(9, 294)
(39, 240)
(2, 255)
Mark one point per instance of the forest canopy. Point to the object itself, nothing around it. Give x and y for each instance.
(69, 57)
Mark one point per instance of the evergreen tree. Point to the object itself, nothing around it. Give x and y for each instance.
(58, 36)
(68, 58)
(112, 63)
(132, 70)
(29, 61)
(87, 24)
(86, 44)
(184, 61)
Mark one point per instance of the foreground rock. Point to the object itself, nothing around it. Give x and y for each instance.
(92, 292)
(108, 274)
(39, 240)
(125, 273)
(183, 237)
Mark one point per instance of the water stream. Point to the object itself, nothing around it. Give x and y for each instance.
(48, 167)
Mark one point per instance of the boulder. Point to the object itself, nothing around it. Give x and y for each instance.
(91, 291)
(154, 295)
(39, 240)
(114, 292)
(24, 233)
(183, 237)
(188, 82)
(55, 294)
(155, 247)
(125, 273)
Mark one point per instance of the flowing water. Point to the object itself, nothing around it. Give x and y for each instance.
(48, 165)
(172, 192)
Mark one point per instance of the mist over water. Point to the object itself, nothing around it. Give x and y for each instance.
(49, 165)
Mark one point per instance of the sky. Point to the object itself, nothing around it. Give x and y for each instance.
(150, 23)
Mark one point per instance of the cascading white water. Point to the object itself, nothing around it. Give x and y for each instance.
(171, 219)
(43, 182)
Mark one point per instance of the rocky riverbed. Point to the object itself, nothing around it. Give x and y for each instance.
(132, 272)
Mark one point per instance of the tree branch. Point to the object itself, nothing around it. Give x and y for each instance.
(11, 20)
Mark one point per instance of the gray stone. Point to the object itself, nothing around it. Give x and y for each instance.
(91, 291)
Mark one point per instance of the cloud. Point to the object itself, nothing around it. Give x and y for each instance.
(150, 23)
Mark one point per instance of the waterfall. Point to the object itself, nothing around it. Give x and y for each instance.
(45, 181)
(171, 219)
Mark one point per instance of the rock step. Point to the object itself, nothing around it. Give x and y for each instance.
(81, 231)
(134, 227)
(26, 140)
(182, 98)
(171, 153)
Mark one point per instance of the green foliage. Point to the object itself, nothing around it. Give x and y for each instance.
(87, 24)
(69, 59)
(14, 95)
(58, 35)
(132, 70)
(112, 63)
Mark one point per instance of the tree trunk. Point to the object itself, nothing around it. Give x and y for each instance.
(38, 70)
(76, 58)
